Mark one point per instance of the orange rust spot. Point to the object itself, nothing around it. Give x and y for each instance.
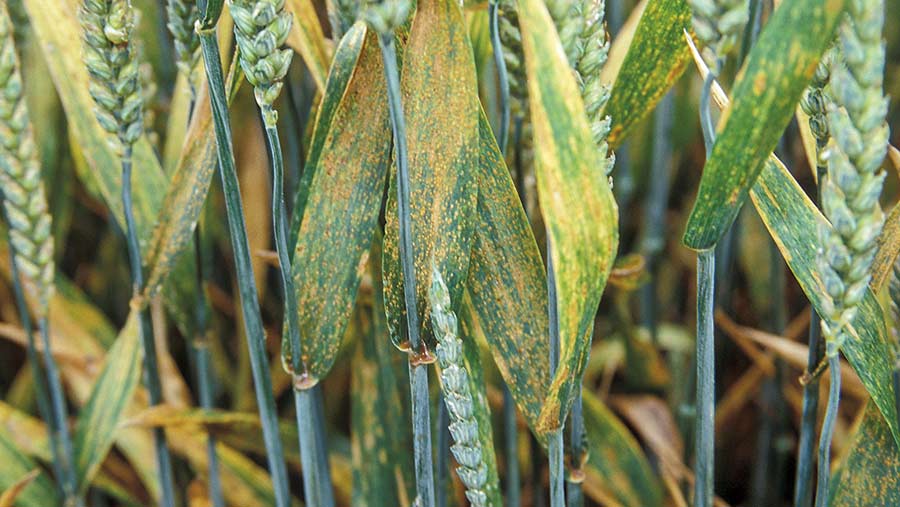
(759, 83)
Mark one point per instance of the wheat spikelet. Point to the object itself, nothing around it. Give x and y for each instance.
(387, 15)
(115, 83)
(717, 24)
(183, 14)
(511, 39)
(814, 103)
(472, 470)
(853, 183)
(24, 199)
(261, 27)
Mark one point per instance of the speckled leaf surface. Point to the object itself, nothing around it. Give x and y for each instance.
(768, 87)
(507, 285)
(16, 464)
(186, 194)
(655, 60)
(869, 475)
(440, 103)
(616, 463)
(111, 394)
(793, 221)
(382, 464)
(339, 76)
(341, 213)
(576, 202)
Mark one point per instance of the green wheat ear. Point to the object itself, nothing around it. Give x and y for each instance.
(183, 14)
(115, 82)
(24, 198)
(853, 183)
(261, 27)
(717, 24)
(457, 396)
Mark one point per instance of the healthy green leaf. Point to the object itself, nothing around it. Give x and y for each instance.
(95, 431)
(869, 476)
(768, 87)
(656, 59)
(576, 201)
(442, 127)
(341, 213)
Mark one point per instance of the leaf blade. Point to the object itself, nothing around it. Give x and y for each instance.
(766, 91)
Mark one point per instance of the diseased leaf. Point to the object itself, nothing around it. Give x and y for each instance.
(616, 463)
(341, 213)
(382, 465)
(339, 76)
(440, 103)
(767, 89)
(41, 492)
(307, 39)
(793, 221)
(655, 60)
(576, 202)
(507, 285)
(888, 248)
(869, 476)
(111, 394)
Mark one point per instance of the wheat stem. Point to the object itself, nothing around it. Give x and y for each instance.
(246, 284)
(418, 373)
(555, 439)
(706, 391)
(831, 413)
(502, 75)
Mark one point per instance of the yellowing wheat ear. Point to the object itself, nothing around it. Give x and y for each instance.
(24, 199)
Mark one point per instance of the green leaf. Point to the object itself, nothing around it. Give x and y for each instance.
(440, 103)
(656, 59)
(577, 204)
(341, 213)
(379, 390)
(793, 221)
(616, 463)
(768, 87)
(869, 476)
(111, 394)
(16, 464)
(507, 285)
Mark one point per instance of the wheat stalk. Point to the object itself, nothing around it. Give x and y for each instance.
(457, 395)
